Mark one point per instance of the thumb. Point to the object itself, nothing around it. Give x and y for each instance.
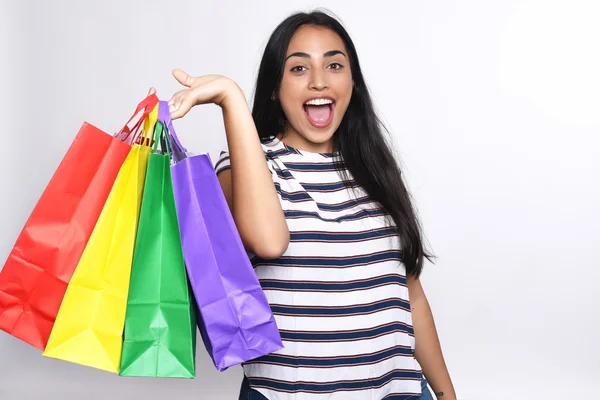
(151, 91)
(183, 78)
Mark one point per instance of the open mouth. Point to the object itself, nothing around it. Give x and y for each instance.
(319, 112)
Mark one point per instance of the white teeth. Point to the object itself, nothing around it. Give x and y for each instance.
(318, 102)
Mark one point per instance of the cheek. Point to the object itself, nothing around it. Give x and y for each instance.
(289, 96)
(290, 107)
(344, 90)
(342, 84)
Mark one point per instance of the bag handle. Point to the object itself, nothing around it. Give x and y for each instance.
(160, 136)
(148, 129)
(164, 116)
(147, 105)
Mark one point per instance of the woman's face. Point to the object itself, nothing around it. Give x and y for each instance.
(316, 88)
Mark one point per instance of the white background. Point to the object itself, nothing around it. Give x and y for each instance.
(494, 106)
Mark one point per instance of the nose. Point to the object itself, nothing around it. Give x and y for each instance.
(318, 80)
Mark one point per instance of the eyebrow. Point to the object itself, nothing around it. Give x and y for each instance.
(330, 53)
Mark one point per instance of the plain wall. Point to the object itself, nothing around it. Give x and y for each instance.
(493, 105)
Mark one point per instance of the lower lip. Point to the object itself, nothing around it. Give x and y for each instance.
(324, 124)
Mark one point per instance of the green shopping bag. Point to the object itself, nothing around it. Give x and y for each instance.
(160, 322)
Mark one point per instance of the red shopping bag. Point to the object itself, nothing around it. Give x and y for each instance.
(40, 265)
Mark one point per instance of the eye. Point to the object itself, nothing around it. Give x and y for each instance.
(297, 69)
(336, 66)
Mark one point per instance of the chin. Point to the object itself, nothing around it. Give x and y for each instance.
(319, 138)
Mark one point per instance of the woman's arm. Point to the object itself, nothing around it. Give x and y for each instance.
(248, 185)
(428, 350)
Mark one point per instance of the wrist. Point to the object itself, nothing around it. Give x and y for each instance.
(233, 95)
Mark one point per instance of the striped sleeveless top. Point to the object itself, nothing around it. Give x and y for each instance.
(338, 293)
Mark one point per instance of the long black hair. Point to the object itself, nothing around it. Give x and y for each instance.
(359, 140)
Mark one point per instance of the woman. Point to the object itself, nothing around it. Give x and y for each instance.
(327, 221)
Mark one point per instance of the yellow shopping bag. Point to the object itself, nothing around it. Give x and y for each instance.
(149, 124)
(89, 325)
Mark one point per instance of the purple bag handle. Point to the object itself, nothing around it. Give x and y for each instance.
(164, 117)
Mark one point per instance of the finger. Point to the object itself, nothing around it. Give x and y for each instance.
(174, 107)
(179, 110)
(151, 91)
(178, 96)
(183, 78)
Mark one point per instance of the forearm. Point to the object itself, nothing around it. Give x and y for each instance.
(254, 201)
(428, 350)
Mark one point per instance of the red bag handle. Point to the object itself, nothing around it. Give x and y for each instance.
(147, 105)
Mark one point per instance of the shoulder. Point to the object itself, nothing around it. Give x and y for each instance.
(270, 148)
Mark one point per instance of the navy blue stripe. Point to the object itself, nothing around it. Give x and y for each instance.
(221, 169)
(352, 217)
(345, 205)
(292, 150)
(304, 196)
(326, 387)
(398, 396)
(329, 155)
(297, 196)
(285, 174)
(322, 187)
(341, 237)
(309, 167)
(296, 286)
(317, 187)
(339, 311)
(221, 161)
(277, 153)
(289, 150)
(364, 334)
(349, 261)
(365, 359)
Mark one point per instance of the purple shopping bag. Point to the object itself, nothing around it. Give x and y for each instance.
(234, 317)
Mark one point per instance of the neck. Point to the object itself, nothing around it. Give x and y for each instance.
(294, 139)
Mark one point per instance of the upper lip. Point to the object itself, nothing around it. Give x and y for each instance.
(319, 98)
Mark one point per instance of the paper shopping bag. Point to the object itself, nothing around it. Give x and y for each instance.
(235, 319)
(160, 322)
(49, 246)
(89, 325)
